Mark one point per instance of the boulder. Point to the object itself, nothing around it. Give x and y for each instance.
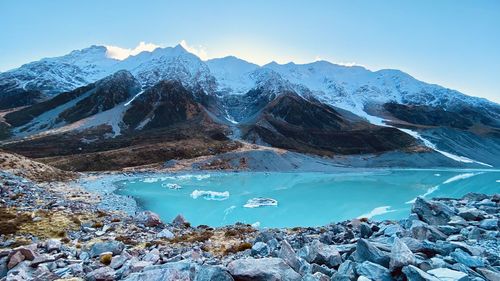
(464, 258)
(320, 253)
(373, 271)
(115, 247)
(139, 265)
(212, 273)
(287, 253)
(102, 274)
(489, 224)
(400, 255)
(148, 219)
(413, 273)
(488, 274)
(472, 214)
(448, 274)
(365, 231)
(15, 259)
(265, 269)
(423, 231)
(172, 271)
(346, 269)
(260, 249)
(153, 256)
(165, 233)
(118, 261)
(53, 245)
(180, 221)
(432, 212)
(28, 253)
(366, 251)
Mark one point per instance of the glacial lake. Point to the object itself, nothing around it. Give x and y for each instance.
(299, 199)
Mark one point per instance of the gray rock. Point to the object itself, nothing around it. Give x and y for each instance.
(472, 214)
(400, 255)
(40, 259)
(413, 273)
(320, 253)
(118, 261)
(323, 269)
(287, 253)
(464, 258)
(365, 231)
(165, 233)
(76, 269)
(373, 271)
(148, 218)
(265, 269)
(53, 245)
(488, 274)
(393, 229)
(139, 265)
(489, 224)
(448, 274)
(153, 256)
(260, 249)
(102, 274)
(346, 269)
(423, 231)
(15, 259)
(212, 273)
(432, 212)
(115, 247)
(179, 221)
(3, 267)
(366, 251)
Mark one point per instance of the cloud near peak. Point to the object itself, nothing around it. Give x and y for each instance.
(120, 53)
(199, 51)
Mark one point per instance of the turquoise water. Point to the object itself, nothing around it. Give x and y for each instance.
(303, 199)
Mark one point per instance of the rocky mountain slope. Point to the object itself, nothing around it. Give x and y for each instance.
(319, 108)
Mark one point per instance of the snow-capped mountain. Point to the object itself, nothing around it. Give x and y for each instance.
(238, 93)
(342, 86)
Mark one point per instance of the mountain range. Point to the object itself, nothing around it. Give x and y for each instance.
(87, 111)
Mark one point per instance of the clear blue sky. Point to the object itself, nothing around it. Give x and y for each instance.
(454, 43)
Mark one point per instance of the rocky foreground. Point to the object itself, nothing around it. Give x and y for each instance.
(56, 232)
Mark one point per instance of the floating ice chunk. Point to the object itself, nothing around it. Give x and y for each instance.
(437, 175)
(256, 224)
(151, 180)
(197, 177)
(171, 185)
(498, 181)
(377, 211)
(260, 202)
(210, 195)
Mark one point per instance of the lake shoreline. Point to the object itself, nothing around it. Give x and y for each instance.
(67, 235)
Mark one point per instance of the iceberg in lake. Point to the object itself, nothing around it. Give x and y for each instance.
(171, 185)
(210, 195)
(260, 202)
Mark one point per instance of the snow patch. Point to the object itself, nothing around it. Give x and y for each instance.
(460, 177)
(377, 211)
